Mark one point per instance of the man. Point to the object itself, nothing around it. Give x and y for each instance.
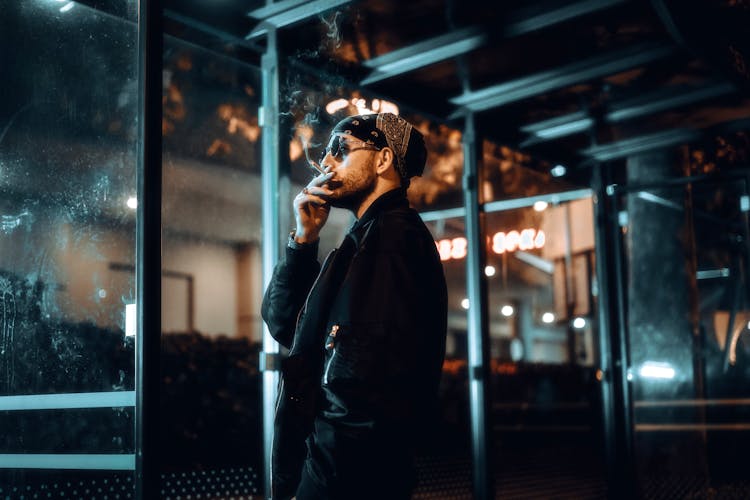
(366, 331)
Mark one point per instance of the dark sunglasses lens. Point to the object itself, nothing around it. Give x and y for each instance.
(335, 147)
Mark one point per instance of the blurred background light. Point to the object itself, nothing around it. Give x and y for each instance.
(558, 171)
(130, 320)
(540, 206)
(653, 369)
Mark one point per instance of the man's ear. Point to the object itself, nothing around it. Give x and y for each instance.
(385, 160)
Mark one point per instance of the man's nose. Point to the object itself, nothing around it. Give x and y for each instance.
(329, 161)
(325, 163)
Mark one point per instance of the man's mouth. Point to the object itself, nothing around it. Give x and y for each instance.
(333, 184)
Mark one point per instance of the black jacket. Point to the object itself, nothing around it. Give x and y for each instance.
(366, 334)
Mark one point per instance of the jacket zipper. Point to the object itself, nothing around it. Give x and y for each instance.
(328, 367)
(332, 345)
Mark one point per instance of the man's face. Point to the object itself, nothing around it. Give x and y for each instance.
(353, 166)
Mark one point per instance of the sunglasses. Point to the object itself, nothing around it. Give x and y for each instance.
(340, 148)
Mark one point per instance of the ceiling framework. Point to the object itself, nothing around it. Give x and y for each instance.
(577, 81)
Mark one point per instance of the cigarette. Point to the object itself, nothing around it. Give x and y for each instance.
(315, 167)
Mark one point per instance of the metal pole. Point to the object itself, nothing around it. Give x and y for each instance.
(148, 249)
(270, 246)
(626, 480)
(478, 332)
(612, 436)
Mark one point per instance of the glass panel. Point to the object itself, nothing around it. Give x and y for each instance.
(67, 246)
(447, 467)
(689, 347)
(509, 174)
(540, 277)
(211, 276)
(542, 330)
(450, 238)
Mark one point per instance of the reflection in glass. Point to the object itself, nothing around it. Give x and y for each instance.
(542, 333)
(67, 245)
(211, 272)
(688, 347)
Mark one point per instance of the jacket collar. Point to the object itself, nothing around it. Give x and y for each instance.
(395, 198)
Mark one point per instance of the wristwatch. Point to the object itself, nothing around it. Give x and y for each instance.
(299, 246)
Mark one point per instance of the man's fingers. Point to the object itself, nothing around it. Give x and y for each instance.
(319, 191)
(310, 198)
(320, 179)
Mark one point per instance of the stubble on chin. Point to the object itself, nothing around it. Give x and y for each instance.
(351, 195)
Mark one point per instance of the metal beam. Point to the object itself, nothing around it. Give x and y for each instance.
(640, 144)
(289, 16)
(460, 42)
(424, 54)
(502, 205)
(658, 140)
(526, 22)
(665, 99)
(210, 30)
(539, 83)
(554, 198)
(644, 105)
(559, 126)
(274, 8)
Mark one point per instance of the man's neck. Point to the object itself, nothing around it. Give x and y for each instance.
(370, 199)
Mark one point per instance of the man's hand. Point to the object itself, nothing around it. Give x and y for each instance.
(311, 209)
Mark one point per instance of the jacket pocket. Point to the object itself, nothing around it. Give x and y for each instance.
(355, 353)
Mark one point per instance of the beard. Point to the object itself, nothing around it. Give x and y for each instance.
(350, 192)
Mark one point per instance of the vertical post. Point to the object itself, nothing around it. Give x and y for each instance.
(148, 249)
(269, 120)
(478, 332)
(614, 395)
(621, 364)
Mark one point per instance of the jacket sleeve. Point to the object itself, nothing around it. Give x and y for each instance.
(286, 293)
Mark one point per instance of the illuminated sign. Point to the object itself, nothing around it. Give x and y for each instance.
(376, 106)
(452, 249)
(526, 239)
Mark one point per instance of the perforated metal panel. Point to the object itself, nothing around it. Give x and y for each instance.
(238, 483)
(692, 487)
(535, 471)
(444, 478)
(119, 486)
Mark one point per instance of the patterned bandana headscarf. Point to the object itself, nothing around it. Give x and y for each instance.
(388, 130)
